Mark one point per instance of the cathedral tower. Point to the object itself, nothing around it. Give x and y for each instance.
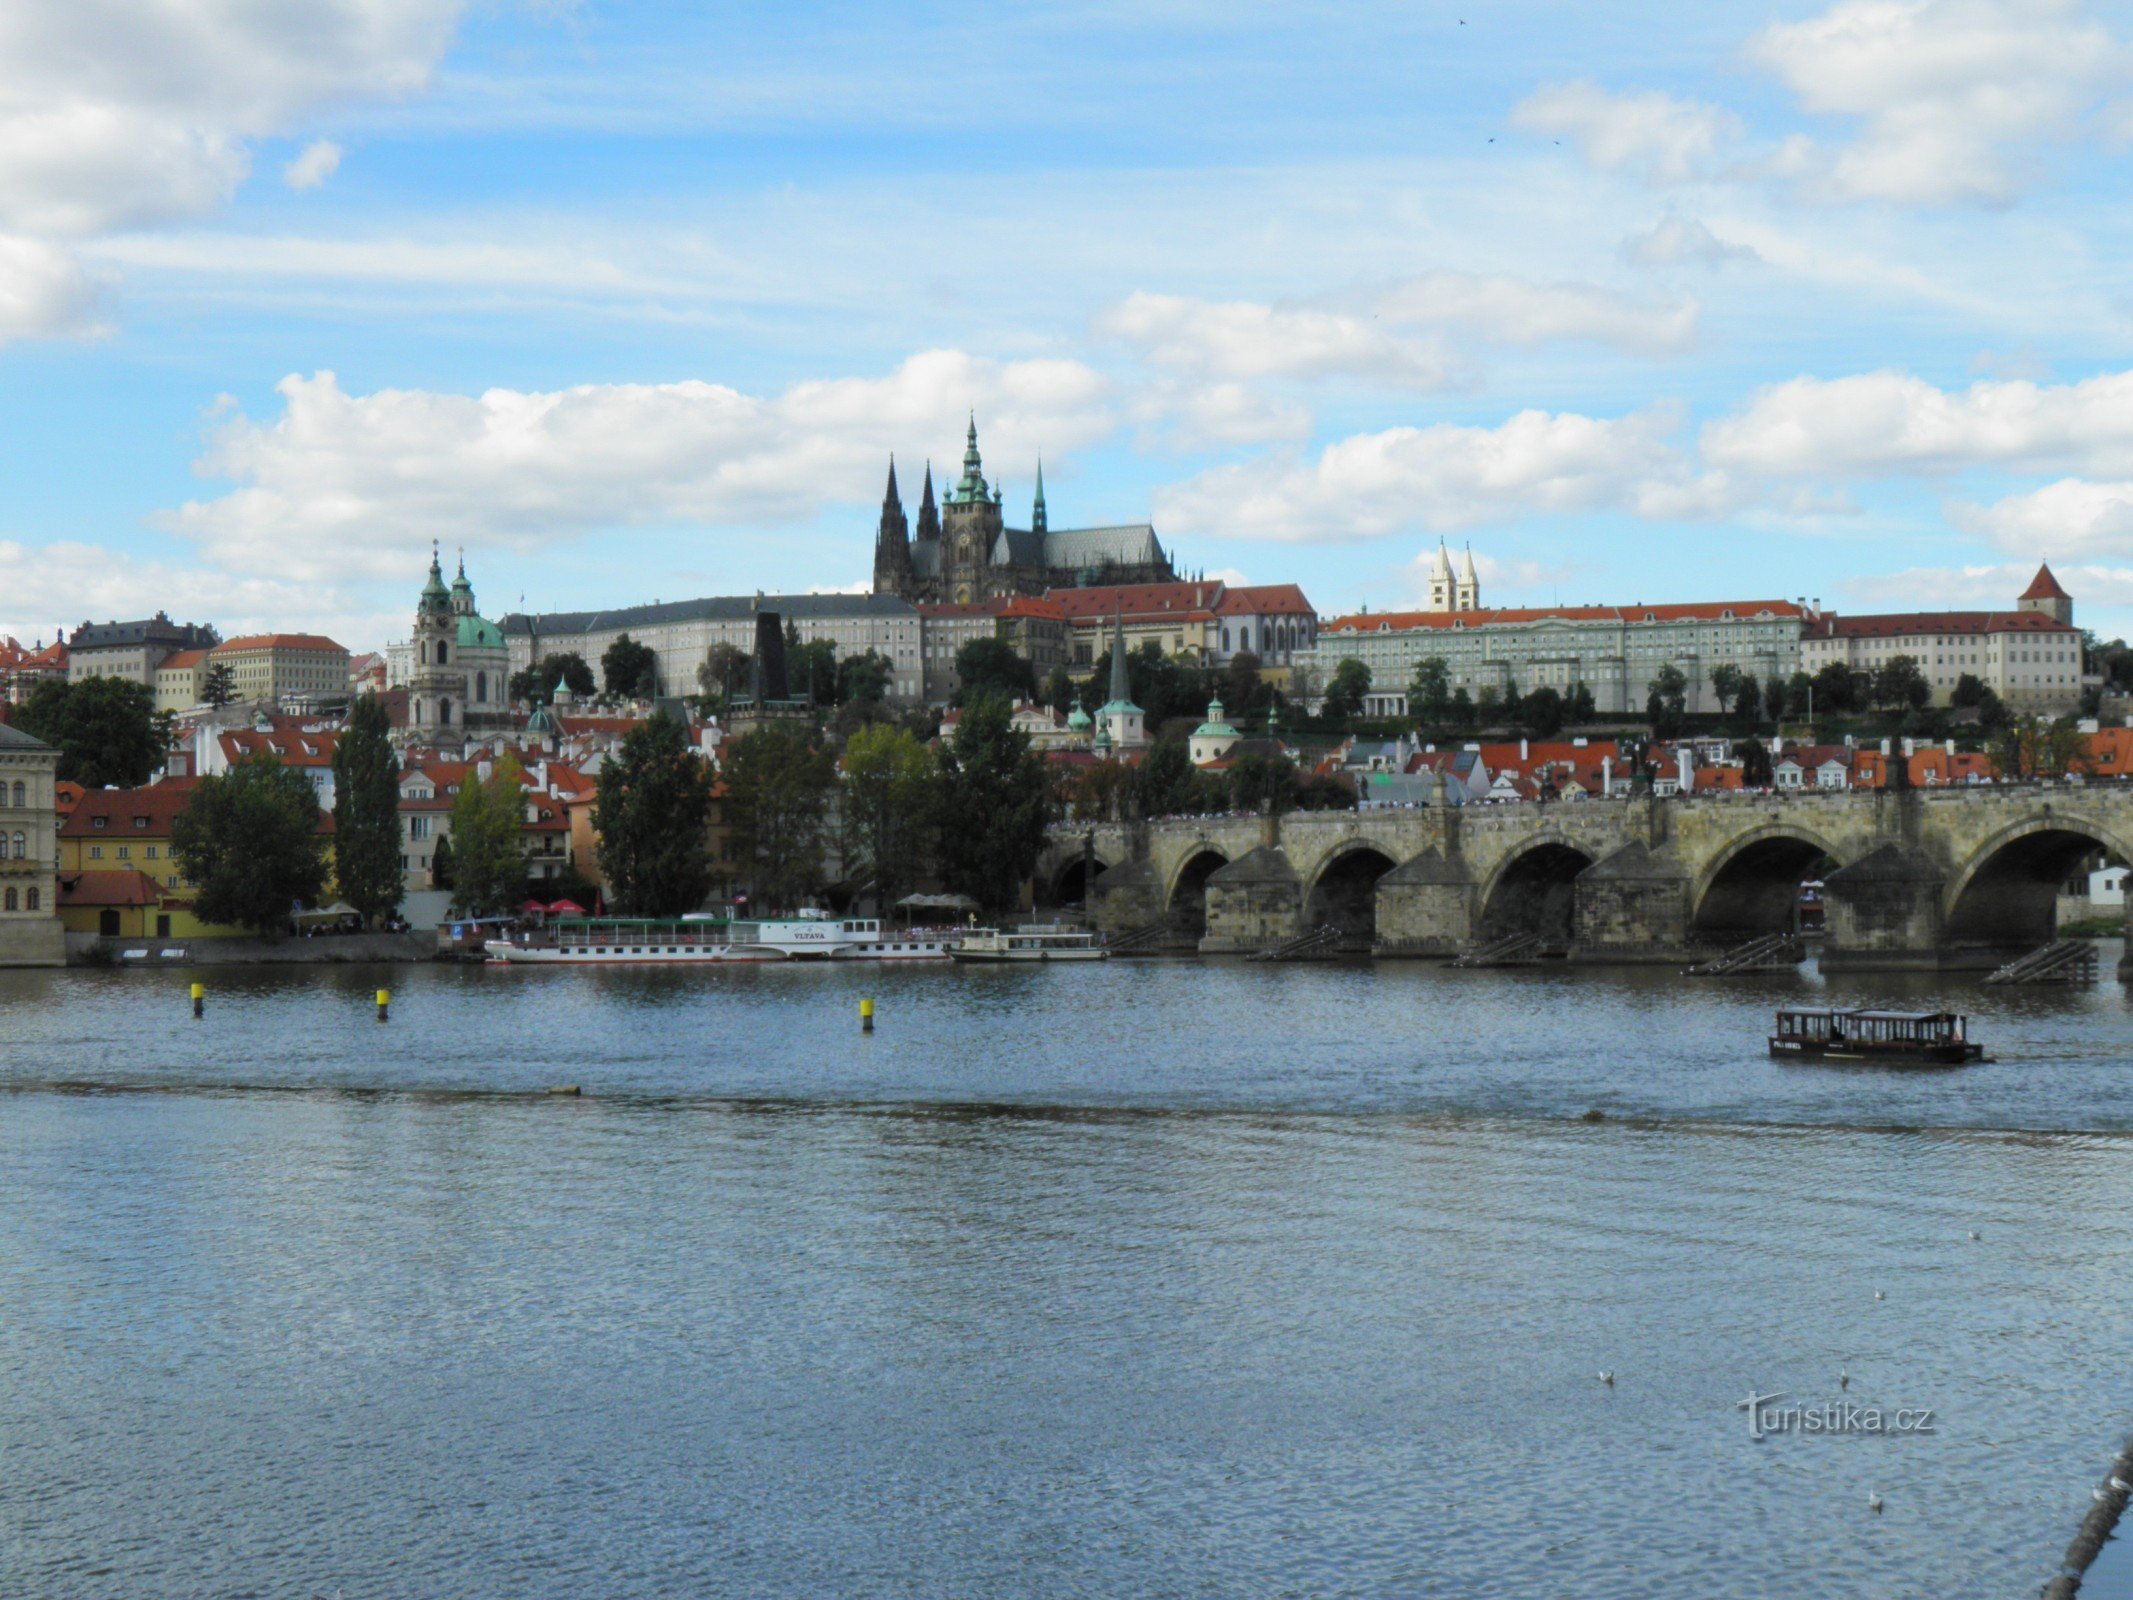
(892, 540)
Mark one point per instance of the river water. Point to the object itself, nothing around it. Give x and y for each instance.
(1143, 1279)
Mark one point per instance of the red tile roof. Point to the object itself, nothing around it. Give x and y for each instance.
(1266, 599)
(117, 808)
(1910, 624)
(184, 658)
(108, 889)
(1139, 601)
(1713, 611)
(2044, 586)
(280, 641)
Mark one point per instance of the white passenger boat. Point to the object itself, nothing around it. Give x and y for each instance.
(1033, 943)
(693, 941)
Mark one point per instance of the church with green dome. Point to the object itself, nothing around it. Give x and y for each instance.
(459, 665)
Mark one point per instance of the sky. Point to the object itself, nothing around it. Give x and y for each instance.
(634, 301)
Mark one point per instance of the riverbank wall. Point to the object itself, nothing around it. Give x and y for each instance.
(96, 950)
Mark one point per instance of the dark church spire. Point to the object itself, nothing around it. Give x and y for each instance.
(929, 516)
(1036, 515)
(892, 541)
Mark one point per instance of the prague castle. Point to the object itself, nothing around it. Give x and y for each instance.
(963, 550)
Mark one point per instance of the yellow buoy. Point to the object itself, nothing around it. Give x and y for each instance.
(385, 1000)
(199, 992)
(866, 1016)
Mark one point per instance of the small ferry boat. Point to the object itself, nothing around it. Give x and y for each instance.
(1889, 1038)
(1034, 943)
(692, 941)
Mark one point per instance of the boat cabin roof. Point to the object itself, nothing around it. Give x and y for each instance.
(1866, 1015)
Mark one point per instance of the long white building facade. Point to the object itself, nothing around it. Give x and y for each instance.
(1614, 651)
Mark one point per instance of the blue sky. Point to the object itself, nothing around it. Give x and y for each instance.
(633, 301)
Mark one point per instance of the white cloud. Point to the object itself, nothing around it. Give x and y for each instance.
(342, 483)
(1449, 477)
(1991, 586)
(2073, 517)
(320, 160)
(43, 291)
(1650, 134)
(1955, 95)
(1393, 335)
(1211, 416)
(1513, 311)
(132, 113)
(1674, 240)
(1891, 422)
(1239, 339)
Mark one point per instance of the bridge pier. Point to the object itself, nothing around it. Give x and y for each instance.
(1883, 913)
(1254, 903)
(1426, 908)
(1127, 896)
(1632, 906)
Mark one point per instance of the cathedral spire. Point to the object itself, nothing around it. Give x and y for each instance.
(929, 515)
(892, 540)
(1036, 516)
(1121, 681)
(971, 489)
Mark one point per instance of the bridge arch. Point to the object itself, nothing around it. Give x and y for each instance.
(1752, 886)
(1344, 891)
(1532, 890)
(2005, 893)
(1070, 880)
(1186, 901)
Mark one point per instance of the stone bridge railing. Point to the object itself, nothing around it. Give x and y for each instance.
(1929, 878)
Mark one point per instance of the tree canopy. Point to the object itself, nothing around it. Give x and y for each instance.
(1345, 690)
(778, 787)
(653, 816)
(890, 797)
(630, 669)
(537, 683)
(248, 838)
(988, 668)
(366, 812)
(219, 686)
(107, 730)
(488, 857)
(993, 806)
(1665, 705)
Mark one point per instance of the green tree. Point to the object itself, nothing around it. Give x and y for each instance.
(1244, 691)
(441, 863)
(488, 855)
(1901, 685)
(1345, 691)
(1263, 783)
(1835, 690)
(778, 787)
(1725, 684)
(1541, 713)
(1059, 690)
(1167, 783)
(249, 839)
(630, 669)
(1665, 706)
(724, 673)
(863, 679)
(1429, 692)
(537, 683)
(366, 812)
(890, 781)
(1775, 697)
(993, 806)
(1755, 767)
(653, 816)
(1746, 706)
(2035, 747)
(988, 668)
(107, 730)
(1581, 708)
(1461, 713)
(219, 687)
(811, 672)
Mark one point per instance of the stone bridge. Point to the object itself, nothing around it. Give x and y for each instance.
(1956, 878)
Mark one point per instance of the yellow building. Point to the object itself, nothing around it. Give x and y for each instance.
(180, 680)
(30, 935)
(274, 666)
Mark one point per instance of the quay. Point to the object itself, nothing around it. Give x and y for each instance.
(1954, 879)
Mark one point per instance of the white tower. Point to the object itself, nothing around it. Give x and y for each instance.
(1468, 597)
(1440, 582)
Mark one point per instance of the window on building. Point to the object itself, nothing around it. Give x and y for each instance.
(22, 847)
(10, 902)
(35, 900)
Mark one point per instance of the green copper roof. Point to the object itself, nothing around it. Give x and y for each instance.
(479, 633)
(972, 487)
(1215, 727)
(434, 597)
(1077, 718)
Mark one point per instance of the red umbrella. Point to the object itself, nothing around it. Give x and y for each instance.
(566, 908)
(532, 908)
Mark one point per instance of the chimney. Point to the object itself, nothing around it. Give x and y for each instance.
(1607, 776)
(1948, 746)
(1685, 763)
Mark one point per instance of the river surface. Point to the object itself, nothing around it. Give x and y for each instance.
(1141, 1279)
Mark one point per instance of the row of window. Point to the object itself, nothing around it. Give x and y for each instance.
(33, 898)
(22, 793)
